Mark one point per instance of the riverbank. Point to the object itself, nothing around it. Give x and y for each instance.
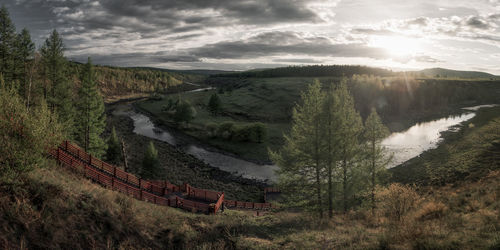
(181, 167)
(467, 152)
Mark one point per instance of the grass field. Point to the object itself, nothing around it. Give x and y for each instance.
(267, 100)
(271, 100)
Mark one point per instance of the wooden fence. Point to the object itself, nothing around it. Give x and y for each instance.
(154, 191)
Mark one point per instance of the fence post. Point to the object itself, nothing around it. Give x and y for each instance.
(66, 148)
(90, 160)
(58, 154)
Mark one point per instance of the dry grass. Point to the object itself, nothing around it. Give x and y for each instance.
(59, 209)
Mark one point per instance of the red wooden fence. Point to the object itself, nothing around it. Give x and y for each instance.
(148, 190)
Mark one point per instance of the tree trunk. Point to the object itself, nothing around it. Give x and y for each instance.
(344, 185)
(124, 157)
(373, 177)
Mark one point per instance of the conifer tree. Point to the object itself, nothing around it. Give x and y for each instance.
(91, 120)
(24, 55)
(214, 104)
(114, 151)
(151, 168)
(7, 44)
(350, 129)
(57, 89)
(300, 160)
(331, 129)
(374, 133)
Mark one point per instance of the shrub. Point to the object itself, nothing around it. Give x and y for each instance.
(151, 168)
(26, 135)
(258, 132)
(397, 200)
(431, 210)
(242, 133)
(184, 112)
(211, 129)
(226, 130)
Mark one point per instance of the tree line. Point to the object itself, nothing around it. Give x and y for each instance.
(312, 71)
(330, 158)
(46, 99)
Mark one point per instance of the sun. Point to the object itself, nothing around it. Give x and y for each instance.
(396, 45)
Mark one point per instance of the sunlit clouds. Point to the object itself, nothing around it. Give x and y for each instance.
(237, 35)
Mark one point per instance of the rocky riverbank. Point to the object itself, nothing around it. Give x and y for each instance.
(181, 167)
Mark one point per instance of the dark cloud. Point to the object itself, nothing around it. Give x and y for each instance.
(297, 60)
(477, 22)
(428, 59)
(285, 43)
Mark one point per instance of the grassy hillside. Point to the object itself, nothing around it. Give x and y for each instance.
(117, 83)
(401, 102)
(448, 73)
(58, 209)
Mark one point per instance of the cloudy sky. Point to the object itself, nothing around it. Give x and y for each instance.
(244, 34)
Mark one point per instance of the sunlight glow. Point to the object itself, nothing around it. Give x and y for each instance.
(396, 45)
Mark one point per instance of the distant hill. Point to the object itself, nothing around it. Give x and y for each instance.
(312, 71)
(189, 71)
(116, 82)
(448, 73)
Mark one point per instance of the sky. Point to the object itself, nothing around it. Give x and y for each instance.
(247, 34)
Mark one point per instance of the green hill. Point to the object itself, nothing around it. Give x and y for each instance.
(116, 83)
(448, 73)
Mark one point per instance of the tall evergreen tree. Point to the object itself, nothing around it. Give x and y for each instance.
(300, 160)
(351, 127)
(114, 151)
(7, 44)
(91, 120)
(57, 89)
(374, 133)
(214, 104)
(24, 55)
(151, 168)
(331, 129)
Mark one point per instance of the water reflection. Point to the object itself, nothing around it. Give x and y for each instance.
(144, 126)
(422, 136)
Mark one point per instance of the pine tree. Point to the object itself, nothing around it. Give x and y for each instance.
(151, 168)
(214, 104)
(374, 133)
(114, 151)
(331, 129)
(7, 44)
(24, 55)
(300, 161)
(57, 89)
(350, 129)
(91, 120)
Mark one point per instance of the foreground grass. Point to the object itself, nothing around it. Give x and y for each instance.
(58, 209)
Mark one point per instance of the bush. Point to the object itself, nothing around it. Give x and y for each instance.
(226, 130)
(431, 210)
(397, 200)
(258, 132)
(151, 168)
(242, 133)
(184, 112)
(211, 129)
(27, 135)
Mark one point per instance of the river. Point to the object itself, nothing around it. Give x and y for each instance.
(402, 145)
